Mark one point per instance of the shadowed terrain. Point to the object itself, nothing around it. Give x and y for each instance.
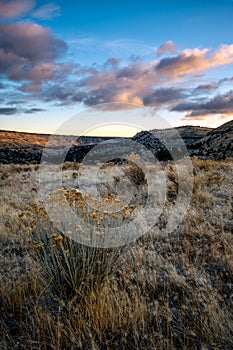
(19, 147)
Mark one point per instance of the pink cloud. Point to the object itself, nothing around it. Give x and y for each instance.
(224, 55)
(29, 54)
(30, 40)
(167, 47)
(195, 60)
(14, 9)
(28, 51)
(140, 81)
(144, 83)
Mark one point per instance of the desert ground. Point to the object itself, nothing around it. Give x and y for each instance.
(163, 290)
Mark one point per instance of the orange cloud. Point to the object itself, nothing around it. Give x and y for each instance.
(195, 60)
(224, 55)
(127, 96)
(209, 117)
(141, 82)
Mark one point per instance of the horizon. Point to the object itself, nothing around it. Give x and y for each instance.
(106, 136)
(59, 60)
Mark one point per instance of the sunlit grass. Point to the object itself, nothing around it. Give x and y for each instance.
(164, 291)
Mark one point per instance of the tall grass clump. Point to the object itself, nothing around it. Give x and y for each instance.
(73, 268)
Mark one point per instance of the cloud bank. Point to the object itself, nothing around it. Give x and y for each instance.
(30, 58)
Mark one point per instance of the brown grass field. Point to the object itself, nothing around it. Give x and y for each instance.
(165, 291)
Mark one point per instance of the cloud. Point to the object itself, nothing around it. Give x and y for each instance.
(30, 41)
(48, 11)
(206, 87)
(225, 80)
(134, 71)
(136, 82)
(8, 110)
(220, 104)
(84, 70)
(112, 62)
(14, 9)
(167, 47)
(29, 56)
(195, 60)
(203, 88)
(17, 110)
(15, 102)
(33, 110)
(28, 52)
(163, 95)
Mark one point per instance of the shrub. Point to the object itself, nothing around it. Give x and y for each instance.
(4, 175)
(72, 268)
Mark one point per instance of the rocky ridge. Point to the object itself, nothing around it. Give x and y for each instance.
(166, 144)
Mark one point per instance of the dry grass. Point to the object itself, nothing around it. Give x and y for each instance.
(166, 291)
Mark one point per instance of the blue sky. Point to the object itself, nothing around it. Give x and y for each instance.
(169, 58)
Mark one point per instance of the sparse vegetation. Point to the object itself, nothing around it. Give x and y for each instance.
(165, 291)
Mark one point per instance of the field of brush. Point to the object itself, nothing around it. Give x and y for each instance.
(163, 290)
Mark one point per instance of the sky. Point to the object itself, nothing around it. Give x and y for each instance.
(117, 66)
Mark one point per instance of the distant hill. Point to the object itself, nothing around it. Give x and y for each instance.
(25, 139)
(20, 147)
(167, 143)
(200, 141)
(218, 143)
